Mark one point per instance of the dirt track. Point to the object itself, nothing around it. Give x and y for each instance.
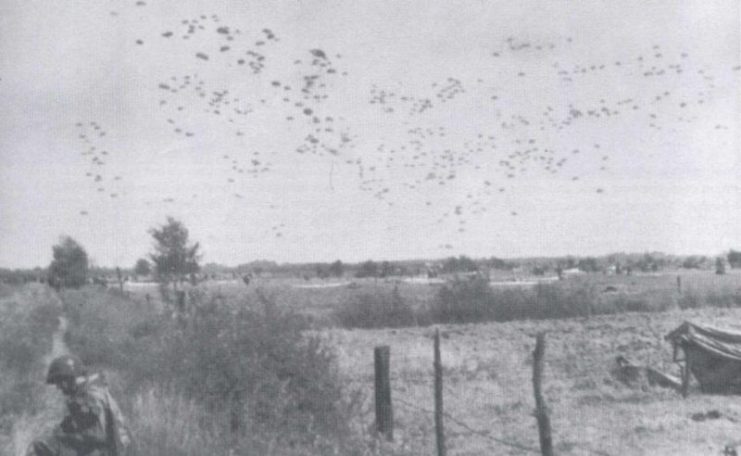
(30, 426)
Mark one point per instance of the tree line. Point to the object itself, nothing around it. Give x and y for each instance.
(175, 258)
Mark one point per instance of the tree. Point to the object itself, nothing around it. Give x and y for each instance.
(321, 272)
(387, 270)
(567, 263)
(720, 266)
(367, 269)
(693, 262)
(539, 270)
(498, 263)
(648, 263)
(734, 258)
(173, 258)
(69, 267)
(460, 264)
(142, 268)
(337, 269)
(588, 264)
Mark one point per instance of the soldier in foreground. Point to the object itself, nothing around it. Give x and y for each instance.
(93, 426)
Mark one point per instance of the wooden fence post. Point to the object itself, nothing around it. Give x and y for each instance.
(439, 430)
(541, 413)
(384, 412)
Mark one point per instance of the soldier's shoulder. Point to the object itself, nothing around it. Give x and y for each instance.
(97, 380)
(94, 390)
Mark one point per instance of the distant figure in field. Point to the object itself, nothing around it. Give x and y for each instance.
(93, 425)
(246, 279)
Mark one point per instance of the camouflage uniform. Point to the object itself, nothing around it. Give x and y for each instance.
(94, 425)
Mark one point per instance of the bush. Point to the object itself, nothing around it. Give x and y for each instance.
(468, 301)
(367, 269)
(464, 301)
(249, 374)
(734, 258)
(625, 303)
(103, 325)
(370, 310)
(460, 264)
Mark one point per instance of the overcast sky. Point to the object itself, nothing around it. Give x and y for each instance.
(318, 130)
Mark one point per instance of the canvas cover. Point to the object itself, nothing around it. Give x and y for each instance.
(713, 356)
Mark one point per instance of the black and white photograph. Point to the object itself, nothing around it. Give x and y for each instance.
(370, 227)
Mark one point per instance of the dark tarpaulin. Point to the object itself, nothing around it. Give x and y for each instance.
(713, 356)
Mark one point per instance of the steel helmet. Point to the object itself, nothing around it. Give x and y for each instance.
(65, 366)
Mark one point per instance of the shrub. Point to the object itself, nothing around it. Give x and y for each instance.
(250, 373)
(734, 258)
(103, 325)
(464, 301)
(467, 301)
(369, 310)
(460, 264)
(720, 266)
(367, 269)
(625, 303)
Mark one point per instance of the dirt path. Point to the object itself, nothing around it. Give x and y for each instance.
(58, 346)
(29, 427)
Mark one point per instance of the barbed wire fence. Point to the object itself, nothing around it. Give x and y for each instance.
(384, 413)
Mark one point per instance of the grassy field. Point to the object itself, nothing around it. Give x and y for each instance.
(296, 347)
(325, 300)
(488, 389)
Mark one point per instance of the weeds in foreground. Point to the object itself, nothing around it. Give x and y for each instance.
(28, 318)
(221, 372)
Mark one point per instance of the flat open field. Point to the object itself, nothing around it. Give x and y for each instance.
(488, 366)
(488, 387)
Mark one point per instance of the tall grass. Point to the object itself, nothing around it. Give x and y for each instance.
(223, 372)
(376, 310)
(696, 297)
(474, 300)
(165, 423)
(28, 319)
(467, 301)
(29, 315)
